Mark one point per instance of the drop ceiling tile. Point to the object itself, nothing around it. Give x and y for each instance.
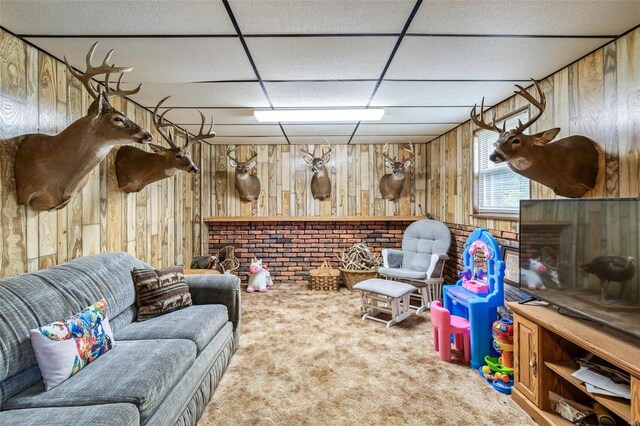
(391, 139)
(425, 115)
(239, 130)
(332, 140)
(486, 58)
(327, 16)
(255, 140)
(220, 115)
(160, 60)
(567, 17)
(422, 93)
(319, 129)
(202, 95)
(402, 129)
(320, 94)
(320, 57)
(118, 17)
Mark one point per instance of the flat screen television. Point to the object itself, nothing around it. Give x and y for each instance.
(581, 255)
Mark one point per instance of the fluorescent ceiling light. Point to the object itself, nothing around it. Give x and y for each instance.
(311, 115)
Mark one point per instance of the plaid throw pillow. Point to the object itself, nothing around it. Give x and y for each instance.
(160, 291)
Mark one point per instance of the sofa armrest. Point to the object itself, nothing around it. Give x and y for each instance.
(436, 267)
(392, 258)
(221, 289)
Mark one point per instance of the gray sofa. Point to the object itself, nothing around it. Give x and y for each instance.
(160, 372)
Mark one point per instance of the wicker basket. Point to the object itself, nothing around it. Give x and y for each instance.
(353, 277)
(325, 278)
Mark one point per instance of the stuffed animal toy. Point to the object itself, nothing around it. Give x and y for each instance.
(531, 277)
(259, 277)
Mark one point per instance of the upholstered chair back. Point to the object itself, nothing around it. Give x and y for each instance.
(421, 239)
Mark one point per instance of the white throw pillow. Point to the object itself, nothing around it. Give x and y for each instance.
(64, 347)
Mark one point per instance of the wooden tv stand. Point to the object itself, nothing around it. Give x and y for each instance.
(545, 342)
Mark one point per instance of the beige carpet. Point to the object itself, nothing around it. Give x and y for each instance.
(306, 358)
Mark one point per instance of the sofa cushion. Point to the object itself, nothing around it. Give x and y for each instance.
(160, 291)
(408, 274)
(146, 371)
(103, 415)
(64, 347)
(198, 323)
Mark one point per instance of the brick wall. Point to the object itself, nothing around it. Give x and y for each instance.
(291, 249)
(459, 235)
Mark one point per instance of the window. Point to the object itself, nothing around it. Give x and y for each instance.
(497, 189)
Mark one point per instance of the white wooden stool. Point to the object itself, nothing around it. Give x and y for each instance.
(390, 297)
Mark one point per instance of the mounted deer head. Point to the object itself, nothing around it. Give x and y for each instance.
(320, 182)
(247, 184)
(136, 168)
(49, 170)
(569, 166)
(391, 184)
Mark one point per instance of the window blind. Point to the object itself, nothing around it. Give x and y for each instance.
(497, 189)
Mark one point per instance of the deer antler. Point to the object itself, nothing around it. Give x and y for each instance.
(118, 92)
(201, 136)
(410, 150)
(91, 71)
(160, 125)
(385, 154)
(541, 105)
(480, 121)
(307, 153)
(254, 154)
(231, 149)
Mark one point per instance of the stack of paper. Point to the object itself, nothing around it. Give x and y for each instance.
(601, 384)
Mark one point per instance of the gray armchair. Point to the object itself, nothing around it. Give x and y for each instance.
(421, 261)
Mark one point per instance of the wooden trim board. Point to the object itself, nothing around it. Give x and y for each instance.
(221, 219)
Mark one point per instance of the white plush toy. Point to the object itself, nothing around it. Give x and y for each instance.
(530, 277)
(259, 277)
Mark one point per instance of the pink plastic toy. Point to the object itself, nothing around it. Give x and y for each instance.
(444, 325)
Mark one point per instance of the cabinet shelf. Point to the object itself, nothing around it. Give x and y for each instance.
(617, 405)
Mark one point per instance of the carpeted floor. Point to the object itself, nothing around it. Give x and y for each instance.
(306, 358)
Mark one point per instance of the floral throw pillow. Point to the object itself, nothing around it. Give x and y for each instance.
(64, 347)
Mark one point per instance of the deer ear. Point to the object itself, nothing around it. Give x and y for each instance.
(157, 148)
(327, 157)
(408, 163)
(388, 163)
(253, 163)
(100, 105)
(545, 137)
(308, 159)
(232, 162)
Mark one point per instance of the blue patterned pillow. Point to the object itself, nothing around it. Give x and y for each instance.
(64, 347)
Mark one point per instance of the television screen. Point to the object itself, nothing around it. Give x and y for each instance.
(582, 255)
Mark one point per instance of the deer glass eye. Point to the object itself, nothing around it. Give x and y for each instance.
(515, 141)
(119, 120)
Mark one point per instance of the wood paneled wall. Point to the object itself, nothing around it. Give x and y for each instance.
(285, 182)
(38, 95)
(598, 97)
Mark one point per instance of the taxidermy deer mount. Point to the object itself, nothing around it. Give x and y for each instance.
(320, 182)
(391, 184)
(569, 166)
(247, 184)
(136, 168)
(49, 170)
